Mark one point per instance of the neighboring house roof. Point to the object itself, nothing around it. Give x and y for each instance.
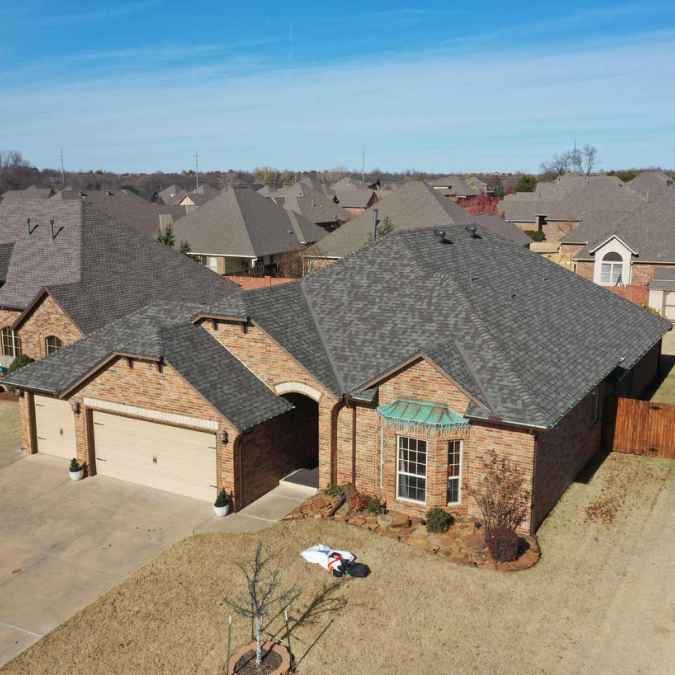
(412, 206)
(457, 186)
(240, 222)
(172, 195)
(650, 184)
(648, 230)
(310, 202)
(97, 269)
(525, 338)
(126, 207)
(32, 192)
(568, 198)
(163, 332)
(353, 197)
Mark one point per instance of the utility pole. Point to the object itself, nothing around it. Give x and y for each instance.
(63, 173)
(196, 170)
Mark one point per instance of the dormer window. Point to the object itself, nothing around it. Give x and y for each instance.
(52, 344)
(611, 269)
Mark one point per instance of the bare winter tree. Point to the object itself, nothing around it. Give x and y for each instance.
(589, 156)
(263, 586)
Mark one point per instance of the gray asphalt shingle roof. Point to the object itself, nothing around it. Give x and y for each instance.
(526, 338)
(412, 206)
(162, 331)
(649, 230)
(651, 184)
(241, 222)
(310, 202)
(97, 269)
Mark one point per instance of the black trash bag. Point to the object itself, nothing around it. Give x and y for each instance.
(351, 569)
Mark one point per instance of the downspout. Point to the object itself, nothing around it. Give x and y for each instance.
(333, 440)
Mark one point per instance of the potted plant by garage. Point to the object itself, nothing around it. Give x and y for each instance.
(76, 470)
(221, 506)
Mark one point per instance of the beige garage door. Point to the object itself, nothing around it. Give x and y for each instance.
(55, 427)
(669, 305)
(168, 458)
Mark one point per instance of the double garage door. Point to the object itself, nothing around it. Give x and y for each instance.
(174, 459)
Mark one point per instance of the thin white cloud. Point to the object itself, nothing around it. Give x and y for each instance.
(103, 12)
(438, 112)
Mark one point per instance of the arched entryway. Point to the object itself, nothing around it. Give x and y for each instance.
(304, 435)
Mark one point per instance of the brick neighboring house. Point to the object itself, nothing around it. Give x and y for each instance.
(67, 268)
(242, 232)
(396, 369)
(629, 254)
(414, 205)
(354, 197)
(557, 208)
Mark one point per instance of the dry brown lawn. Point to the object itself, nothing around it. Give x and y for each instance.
(600, 600)
(10, 427)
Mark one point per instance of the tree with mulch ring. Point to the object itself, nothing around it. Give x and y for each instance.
(263, 586)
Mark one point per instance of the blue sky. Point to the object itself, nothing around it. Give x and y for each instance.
(140, 85)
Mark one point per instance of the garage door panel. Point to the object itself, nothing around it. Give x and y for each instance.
(55, 427)
(669, 305)
(173, 459)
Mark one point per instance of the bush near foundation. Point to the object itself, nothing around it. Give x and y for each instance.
(438, 520)
(503, 544)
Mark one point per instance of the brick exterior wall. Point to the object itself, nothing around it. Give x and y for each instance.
(8, 317)
(315, 264)
(27, 419)
(585, 270)
(274, 365)
(641, 273)
(561, 453)
(45, 320)
(641, 378)
(570, 250)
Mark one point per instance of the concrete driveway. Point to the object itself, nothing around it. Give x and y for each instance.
(62, 543)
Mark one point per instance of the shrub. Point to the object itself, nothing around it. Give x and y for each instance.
(335, 490)
(74, 465)
(375, 506)
(503, 544)
(500, 494)
(535, 235)
(438, 520)
(223, 499)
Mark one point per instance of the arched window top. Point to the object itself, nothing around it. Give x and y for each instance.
(52, 344)
(612, 256)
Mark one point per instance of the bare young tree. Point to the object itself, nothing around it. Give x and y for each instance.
(575, 160)
(263, 586)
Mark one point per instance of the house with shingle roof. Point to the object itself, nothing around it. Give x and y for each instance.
(242, 232)
(311, 202)
(557, 208)
(398, 369)
(67, 268)
(457, 188)
(414, 205)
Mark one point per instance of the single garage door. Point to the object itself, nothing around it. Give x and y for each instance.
(174, 459)
(669, 305)
(55, 427)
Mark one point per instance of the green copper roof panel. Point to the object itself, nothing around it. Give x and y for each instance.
(422, 413)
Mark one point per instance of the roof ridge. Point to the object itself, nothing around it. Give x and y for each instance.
(322, 338)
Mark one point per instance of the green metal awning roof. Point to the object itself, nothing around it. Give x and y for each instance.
(423, 414)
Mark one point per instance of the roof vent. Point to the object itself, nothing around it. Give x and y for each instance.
(31, 229)
(473, 231)
(55, 233)
(110, 193)
(441, 235)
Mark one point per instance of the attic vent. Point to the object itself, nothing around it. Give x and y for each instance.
(473, 231)
(441, 236)
(111, 194)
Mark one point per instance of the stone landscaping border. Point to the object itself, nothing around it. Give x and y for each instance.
(463, 543)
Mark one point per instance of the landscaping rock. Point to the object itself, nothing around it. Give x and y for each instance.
(399, 519)
(385, 520)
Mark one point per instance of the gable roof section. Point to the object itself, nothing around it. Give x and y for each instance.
(649, 230)
(161, 332)
(309, 201)
(241, 222)
(651, 184)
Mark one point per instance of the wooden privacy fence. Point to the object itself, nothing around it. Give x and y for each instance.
(644, 428)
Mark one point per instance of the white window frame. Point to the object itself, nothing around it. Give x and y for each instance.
(414, 475)
(14, 342)
(611, 271)
(459, 476)
(50, 349)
